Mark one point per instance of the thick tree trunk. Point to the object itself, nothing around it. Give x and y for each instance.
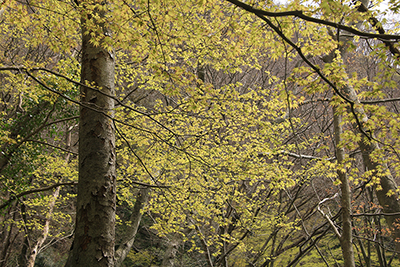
(96, 202)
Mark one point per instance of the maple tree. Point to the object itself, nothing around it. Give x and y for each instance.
(224, 114)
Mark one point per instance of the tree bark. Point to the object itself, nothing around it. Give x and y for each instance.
(8, 236)
(135, 218)
(172, 249)
(34, 251)
(96, 201)
(386, 190)
(346, 238)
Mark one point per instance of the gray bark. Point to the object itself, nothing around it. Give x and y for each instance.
(346, 238)
(7, 237)
(34, 251)
(387, 200)
(172, 249)
(386, 190)
(387, 195)
(96, 202)
(134, 221)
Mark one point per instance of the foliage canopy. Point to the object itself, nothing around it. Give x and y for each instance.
(224, 109)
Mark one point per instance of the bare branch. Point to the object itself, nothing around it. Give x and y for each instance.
(378, 101)
(335, 229)
(53, 146)
(298, 156)
(376, 214)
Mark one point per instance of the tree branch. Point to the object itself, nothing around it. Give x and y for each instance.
(300, 14)
(378, 27)
(298, 156)
(376, 214)
(378, 101)
(36, 190)
(327, 217)
(53, 146)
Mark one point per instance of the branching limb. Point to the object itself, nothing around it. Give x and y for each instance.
(53, 146)
(36, 190)
(335, 229)
(301, 15)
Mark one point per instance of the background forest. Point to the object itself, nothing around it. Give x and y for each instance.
(199, 133)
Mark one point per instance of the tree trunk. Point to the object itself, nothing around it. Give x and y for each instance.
(346, 238)
(8, 236)
(96, 202)
(23, 259)
(172, 249)
(33, 252)
(386, 190)
(45, 232)
(136, 216)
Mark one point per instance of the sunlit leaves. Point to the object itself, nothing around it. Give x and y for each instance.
(218, 147)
